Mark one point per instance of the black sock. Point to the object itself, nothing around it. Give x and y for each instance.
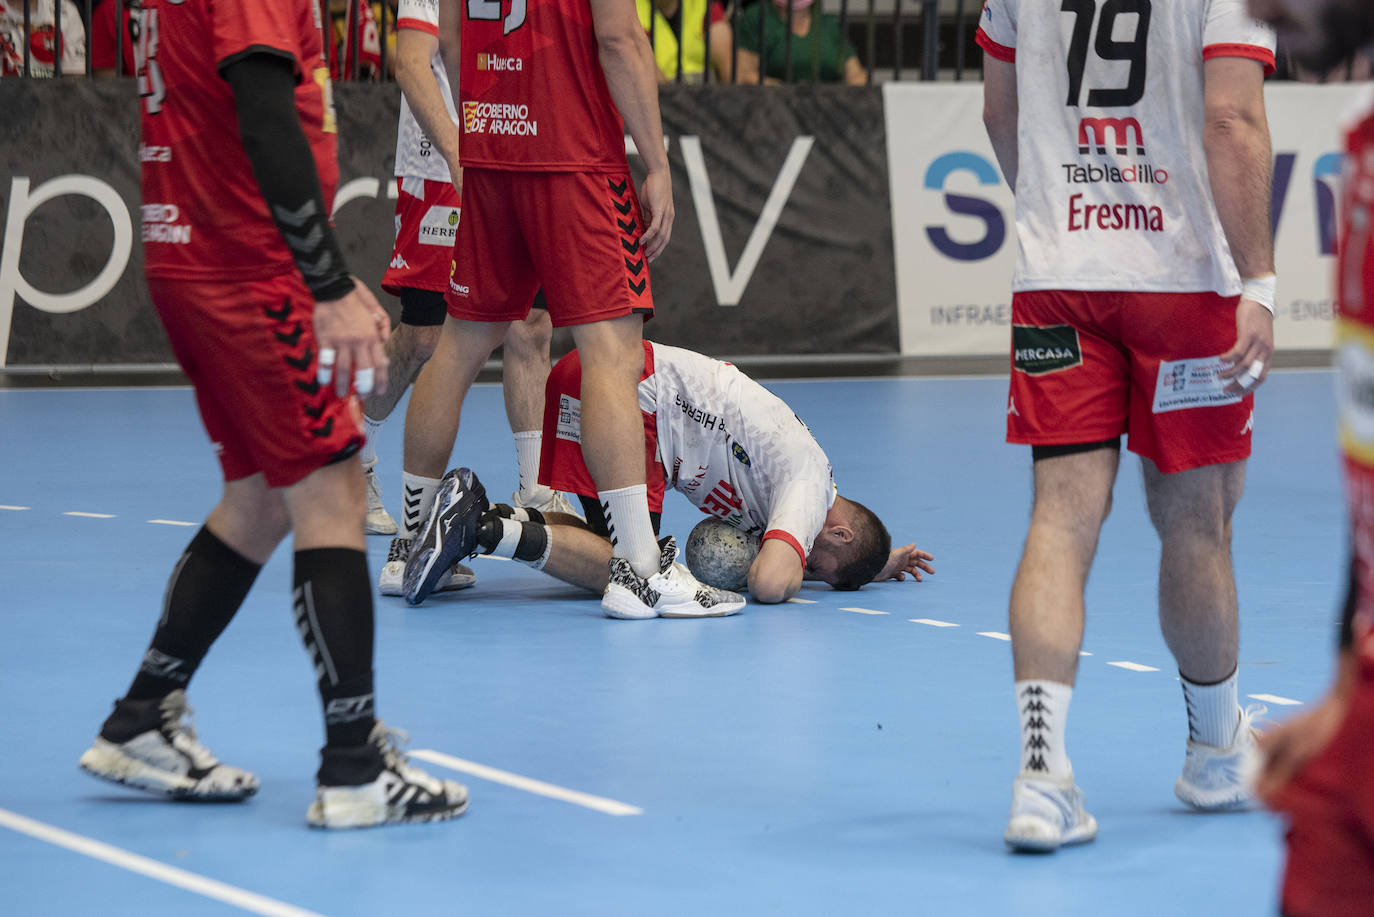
(207, 587)
(333, 607)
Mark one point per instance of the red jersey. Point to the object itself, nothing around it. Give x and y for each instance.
(533, 97)
(204, 217)
(106, 34)
(1355, 352)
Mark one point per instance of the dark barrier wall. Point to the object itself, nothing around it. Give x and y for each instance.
(782, 244)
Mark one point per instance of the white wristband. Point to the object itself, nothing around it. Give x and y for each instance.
(1261, 290)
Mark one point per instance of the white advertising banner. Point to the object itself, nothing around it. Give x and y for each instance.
(955, 238)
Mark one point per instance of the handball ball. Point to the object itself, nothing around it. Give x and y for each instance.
(719, 555)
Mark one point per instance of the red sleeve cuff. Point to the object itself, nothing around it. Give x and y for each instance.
(1253, 52)
(786, 538)
(418, 25)
(1002, 52)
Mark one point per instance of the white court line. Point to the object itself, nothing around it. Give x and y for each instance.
(1134, 666)
(864, 611)
(931, 622)
(200, 885)
(15, 508)
(528, 784)
(1275, 699)
(170, 522)
(91, 515)
(996, 635)
(797, 601)
(1084, 653)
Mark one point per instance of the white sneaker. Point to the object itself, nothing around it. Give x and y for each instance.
(1215, 779)
(670, 593)
(379, 521)
(391, 582)
(400, 793)
(165, 757)
(1047, 815)
(544, 499)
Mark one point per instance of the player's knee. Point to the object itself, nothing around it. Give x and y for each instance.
(530, 339)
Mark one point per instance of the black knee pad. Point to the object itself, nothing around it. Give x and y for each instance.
(1044, 452)
(422, 308)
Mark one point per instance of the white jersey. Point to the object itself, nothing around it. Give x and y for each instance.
(1111, 187)
(735, 449)
(416, 155)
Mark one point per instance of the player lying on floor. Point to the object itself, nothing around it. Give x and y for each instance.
(733, 448)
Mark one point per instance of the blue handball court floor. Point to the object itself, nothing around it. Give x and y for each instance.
(844, 754)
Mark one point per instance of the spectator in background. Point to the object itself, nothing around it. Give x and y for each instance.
(104, 62)
(358, 25)
(820, 54)
(671, 18)
(43, 40)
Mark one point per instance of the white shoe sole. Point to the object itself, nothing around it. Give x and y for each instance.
(1229, 799)
(392, 581)
(1037, 835)
(622, 604)
(348, 807)
(106, 760)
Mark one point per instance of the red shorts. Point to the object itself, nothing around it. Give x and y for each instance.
(575, 234)
(561, 465)
(1330, 809)
(1088, 367)
(426, 225)
(248, 347)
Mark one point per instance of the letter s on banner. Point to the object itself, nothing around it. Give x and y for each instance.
(995, 225)
(22, 203)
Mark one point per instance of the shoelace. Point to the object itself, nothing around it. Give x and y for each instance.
(391, 742)
(181, 716)
(1254, 719)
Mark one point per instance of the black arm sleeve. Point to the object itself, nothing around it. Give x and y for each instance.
(264, 87)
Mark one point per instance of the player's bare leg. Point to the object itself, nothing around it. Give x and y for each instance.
(524, 370)
(1073, 495)
(436, 402)
(408, 348)
(1198, 615)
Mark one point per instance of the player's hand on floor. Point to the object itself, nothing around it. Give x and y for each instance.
(904, 560)
(351, 333)
(1254, 348)
(656, 206)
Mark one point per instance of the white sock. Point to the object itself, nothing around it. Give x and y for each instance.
(416, 501)
(1213, 711)
(373, 427)
(632, 534)
(1043, 708)
(527, 444)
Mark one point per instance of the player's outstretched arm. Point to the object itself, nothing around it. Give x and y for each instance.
(1240, 168)
(776, 574)
(1000, 112)
(631, 76)
(904, 561)
(414, 50)
(350, 326)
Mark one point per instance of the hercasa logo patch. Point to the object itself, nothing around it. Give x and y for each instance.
(1040, 349)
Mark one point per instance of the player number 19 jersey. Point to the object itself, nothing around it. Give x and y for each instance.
(1111, 188)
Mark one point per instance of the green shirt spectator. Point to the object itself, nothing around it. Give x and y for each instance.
(819, 52)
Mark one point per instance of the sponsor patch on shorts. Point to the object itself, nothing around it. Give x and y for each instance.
(1183, 384)
(569, 419)
(439, 226)
(1041, 349)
